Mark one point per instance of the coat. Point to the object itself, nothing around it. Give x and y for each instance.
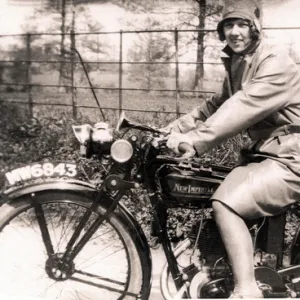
(266, 105)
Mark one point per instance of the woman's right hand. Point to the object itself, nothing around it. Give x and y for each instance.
(175, 139)
(172, 127)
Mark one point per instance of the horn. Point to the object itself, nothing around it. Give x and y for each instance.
(124, 122)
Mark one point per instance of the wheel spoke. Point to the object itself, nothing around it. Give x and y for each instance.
(99, 258)
(108, 288)
(66, 230)
(102, 269)
(100, 277)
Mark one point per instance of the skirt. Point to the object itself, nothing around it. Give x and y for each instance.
(264, 188)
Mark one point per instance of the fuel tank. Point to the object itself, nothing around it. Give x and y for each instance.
(190, 187)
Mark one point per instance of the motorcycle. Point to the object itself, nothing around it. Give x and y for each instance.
(65, 238)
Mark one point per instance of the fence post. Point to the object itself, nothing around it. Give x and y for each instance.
(121, 73)
(177, 73)
(74, 100)
(28, 73)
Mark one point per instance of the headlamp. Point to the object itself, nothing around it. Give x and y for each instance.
(121, 151)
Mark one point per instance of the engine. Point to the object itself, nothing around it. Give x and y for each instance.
(210, 241)
(213, 276)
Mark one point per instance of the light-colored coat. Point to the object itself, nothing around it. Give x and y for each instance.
(268, 100)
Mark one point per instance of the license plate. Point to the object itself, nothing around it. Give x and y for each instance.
(41, 170)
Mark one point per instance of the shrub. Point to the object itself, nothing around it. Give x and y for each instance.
(25, 140)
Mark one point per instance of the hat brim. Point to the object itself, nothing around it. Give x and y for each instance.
(233, 15)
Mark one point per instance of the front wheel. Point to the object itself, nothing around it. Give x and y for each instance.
(108, 267)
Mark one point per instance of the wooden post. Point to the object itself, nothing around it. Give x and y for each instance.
(73, 45)
(28, 73)
(74, 101)
(121, 73)
(177, 74)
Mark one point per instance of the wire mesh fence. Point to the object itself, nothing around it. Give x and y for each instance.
(138, 71)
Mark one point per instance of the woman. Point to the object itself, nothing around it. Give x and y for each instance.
(261, 94)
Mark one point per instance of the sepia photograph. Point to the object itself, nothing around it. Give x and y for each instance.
(149, 149)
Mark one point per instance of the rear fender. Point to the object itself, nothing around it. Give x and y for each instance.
(87, 189)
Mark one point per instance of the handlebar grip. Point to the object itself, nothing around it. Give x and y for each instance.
(185, 147)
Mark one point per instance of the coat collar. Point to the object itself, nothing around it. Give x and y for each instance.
(227, 53)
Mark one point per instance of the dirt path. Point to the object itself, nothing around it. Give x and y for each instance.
(158, 262)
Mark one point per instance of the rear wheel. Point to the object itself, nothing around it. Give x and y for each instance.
(108, 267)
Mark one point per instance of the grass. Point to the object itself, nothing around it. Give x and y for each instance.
(146, 103)
(55, 140)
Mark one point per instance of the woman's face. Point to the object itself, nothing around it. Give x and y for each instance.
(237, 34)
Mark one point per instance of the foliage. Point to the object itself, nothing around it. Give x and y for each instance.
(194, 14)
(25, 140)
(149, 50)
(202, 14)
(46, 138)
(19, 52)
(52, 47)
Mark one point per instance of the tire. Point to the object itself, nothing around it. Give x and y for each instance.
(108, 267)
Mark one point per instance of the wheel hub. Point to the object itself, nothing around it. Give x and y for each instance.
(57, 269)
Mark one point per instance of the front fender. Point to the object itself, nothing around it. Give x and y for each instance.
(71, 185)
(88, 189)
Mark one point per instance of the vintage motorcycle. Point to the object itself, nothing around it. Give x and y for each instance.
(64, 238)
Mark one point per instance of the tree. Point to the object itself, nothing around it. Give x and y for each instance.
(203, 14)
(58, 46)
(199, 15)
(152, 47)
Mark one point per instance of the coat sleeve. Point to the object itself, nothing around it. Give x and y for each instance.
(267, 92)
(200, 114)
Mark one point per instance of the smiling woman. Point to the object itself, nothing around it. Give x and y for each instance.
(237, 34)
(261, 87)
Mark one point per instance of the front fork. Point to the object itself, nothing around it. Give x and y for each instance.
(73, 250)
(160, 228)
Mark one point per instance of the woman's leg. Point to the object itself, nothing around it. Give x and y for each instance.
(239, 247)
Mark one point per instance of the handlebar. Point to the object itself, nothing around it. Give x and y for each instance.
(158, 142)
(187, 151)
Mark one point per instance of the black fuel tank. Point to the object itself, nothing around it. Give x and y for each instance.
(188, 188)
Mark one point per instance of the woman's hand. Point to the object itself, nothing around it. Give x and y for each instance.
(175, 139)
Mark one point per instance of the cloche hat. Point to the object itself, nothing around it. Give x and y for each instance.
(244, 9)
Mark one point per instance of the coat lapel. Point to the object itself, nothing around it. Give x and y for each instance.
(226, 59)
(249, 57)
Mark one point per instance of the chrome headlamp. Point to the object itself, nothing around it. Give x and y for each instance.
(121, 151)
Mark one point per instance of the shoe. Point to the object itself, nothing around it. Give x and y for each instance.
(236, 295)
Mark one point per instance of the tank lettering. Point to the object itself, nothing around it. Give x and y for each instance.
(189, 189)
